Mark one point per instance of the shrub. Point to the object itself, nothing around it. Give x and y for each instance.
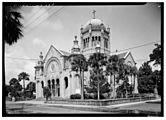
(75, 96)
(47, 92)
(90, 90)
(104, 96)
(86, 96)
(93, 96)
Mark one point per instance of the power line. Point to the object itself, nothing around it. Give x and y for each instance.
(112, 52)
(21, 58)
(49, 9)
(55, 12)
(31, 17)
(136, 47)
(139, 60)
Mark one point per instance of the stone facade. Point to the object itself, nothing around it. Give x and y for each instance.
(55, 71)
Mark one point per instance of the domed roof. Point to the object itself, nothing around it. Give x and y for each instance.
(96, 24)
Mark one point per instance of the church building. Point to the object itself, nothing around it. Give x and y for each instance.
(54, 69)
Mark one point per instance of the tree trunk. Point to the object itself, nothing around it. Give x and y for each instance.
(110, 83)
(81, 79)
(126, 91)
(131, 85)
(134, 84)
(114, 88)
(98, 87)
(24, 88)
(82, 85)
(24, 84)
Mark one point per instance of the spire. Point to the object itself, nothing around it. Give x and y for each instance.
(41, 56)
(93, 14)
(75, 41)
(75, 49)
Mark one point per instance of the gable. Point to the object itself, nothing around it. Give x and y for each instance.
(129, 59)
(52, 52)
(122, 55)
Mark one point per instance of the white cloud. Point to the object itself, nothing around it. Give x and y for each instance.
(55, 26)
(36, 16)
(41, 43)
(15, 66)
(39, 17)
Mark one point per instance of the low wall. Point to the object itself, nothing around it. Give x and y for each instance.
(99, 102)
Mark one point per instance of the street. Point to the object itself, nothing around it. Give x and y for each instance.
(21, 108)
(39, 107)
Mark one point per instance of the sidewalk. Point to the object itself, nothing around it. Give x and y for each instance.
(84, 106)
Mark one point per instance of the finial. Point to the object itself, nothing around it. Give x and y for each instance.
(93, 14)
(41, 56)
(75, 37)
(116, 50)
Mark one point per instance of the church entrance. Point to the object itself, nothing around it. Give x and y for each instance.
(53, 70)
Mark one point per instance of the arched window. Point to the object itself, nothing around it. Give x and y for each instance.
(92, 41)
(66, 82)
(129, 63)
(42, 83)
(105, 43)
(87, 42)
(84, 43)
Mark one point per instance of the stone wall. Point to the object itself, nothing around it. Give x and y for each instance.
(99, 102)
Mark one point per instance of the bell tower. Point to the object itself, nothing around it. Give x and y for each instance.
(75, 49)
(39, 76)
(93, 32)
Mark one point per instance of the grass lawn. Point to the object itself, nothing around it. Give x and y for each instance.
(152, 106)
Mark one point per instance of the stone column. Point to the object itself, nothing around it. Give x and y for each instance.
(37, 89)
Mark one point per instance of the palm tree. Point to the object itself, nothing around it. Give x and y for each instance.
(12, 24)
(112, 69)
(97, 61)
(124, 71)
(79, 64)
(109, 71)
(15, 87)
(23, 76)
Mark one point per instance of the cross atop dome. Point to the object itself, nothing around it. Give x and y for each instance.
(94, 14)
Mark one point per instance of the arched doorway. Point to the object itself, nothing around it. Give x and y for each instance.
(53, 87)
(66, 82)
(49, 84)
(42, 84)
(57, 87)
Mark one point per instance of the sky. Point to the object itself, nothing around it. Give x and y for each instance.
(57, 25)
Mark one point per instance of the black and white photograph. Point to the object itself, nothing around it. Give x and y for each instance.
(83, 59)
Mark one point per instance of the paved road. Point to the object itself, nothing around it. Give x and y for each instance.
(18, 108)
(39, 107)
